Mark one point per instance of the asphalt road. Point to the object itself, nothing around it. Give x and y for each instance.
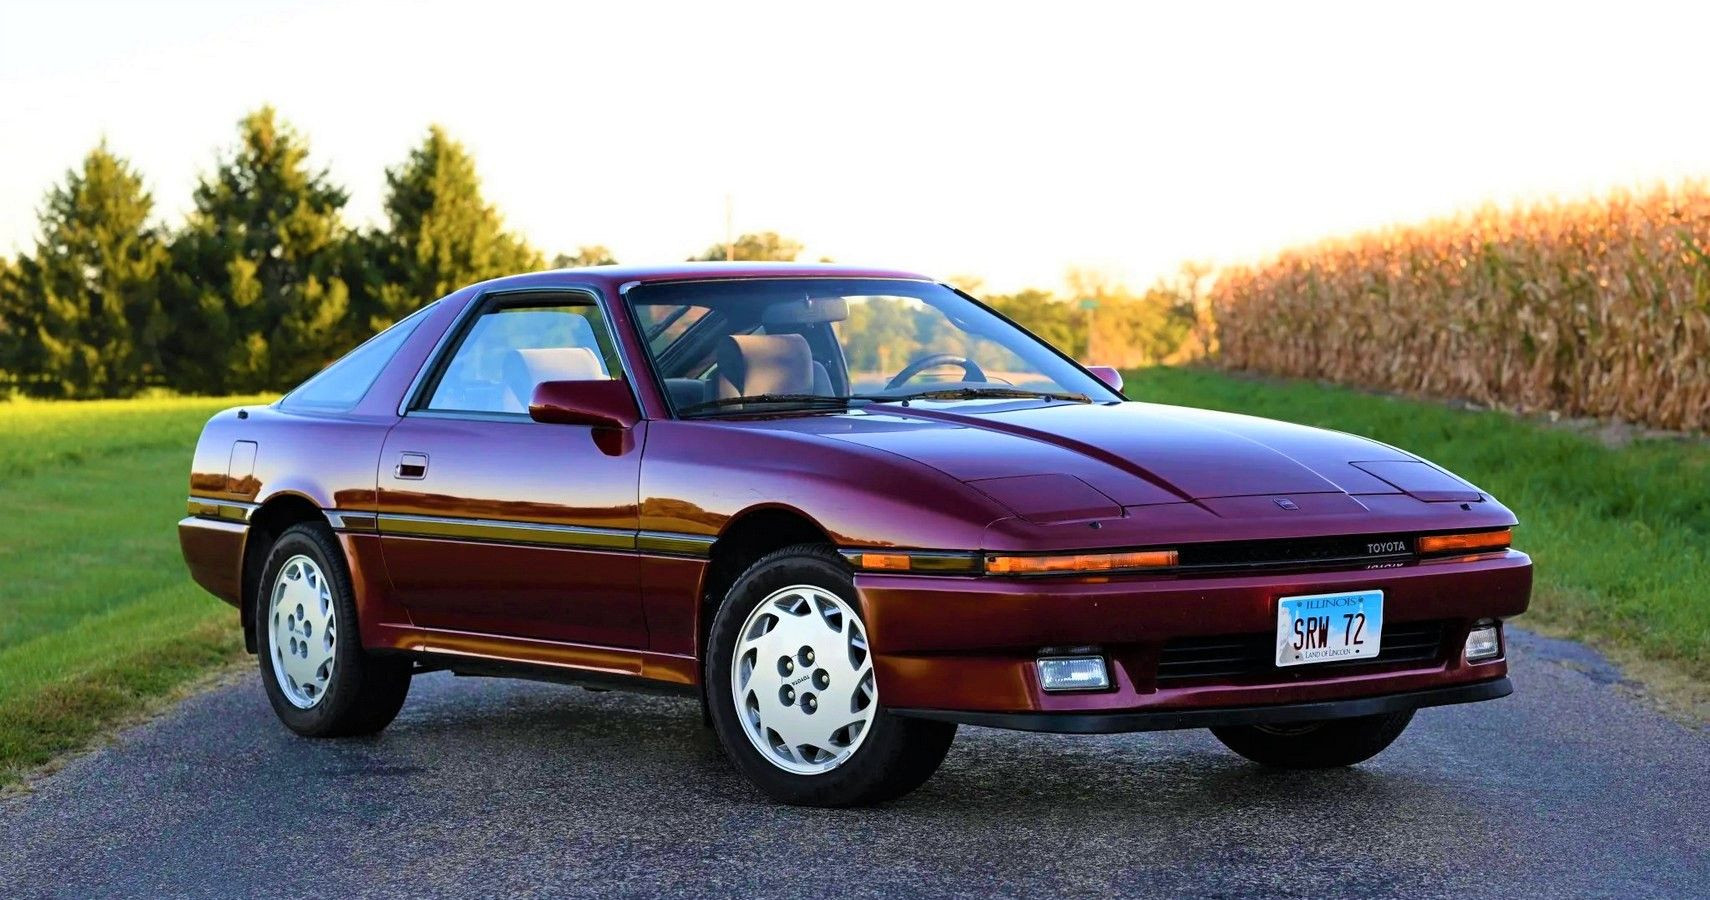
(1568, 788)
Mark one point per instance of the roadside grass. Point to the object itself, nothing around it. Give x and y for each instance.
(98, 617)
(1620, 535)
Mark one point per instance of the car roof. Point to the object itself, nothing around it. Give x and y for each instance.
(616, 276)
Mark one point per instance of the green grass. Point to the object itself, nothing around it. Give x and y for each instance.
(1620, 536)
(98, 616)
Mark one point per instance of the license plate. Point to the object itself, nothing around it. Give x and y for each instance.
(1329, 627)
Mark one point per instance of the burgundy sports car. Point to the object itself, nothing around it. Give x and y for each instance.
(847, 509)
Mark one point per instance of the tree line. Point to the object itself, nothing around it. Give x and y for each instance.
(1101, 321)
(260, 286)
(264, 282)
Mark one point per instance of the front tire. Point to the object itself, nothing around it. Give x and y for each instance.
(791, 690)
(318, 678)
(1316, 745)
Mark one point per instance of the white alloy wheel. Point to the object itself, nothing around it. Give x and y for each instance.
(803, 680)
(302, 631)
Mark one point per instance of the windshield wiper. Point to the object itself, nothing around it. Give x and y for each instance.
(827, 401)
(970, 393)
(817, 400)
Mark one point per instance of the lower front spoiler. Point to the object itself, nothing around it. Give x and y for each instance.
(1167, 719)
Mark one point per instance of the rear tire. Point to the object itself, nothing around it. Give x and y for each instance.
(318, 678)
(1316, 745)
(885, 758)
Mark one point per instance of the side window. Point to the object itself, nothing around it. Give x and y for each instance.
(517, 344)
(342, 385)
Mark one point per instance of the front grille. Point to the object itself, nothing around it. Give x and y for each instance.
(1313, 552)
(1238, 656)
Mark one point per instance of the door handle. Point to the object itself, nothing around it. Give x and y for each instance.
(411, 465)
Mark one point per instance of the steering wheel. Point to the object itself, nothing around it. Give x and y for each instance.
(970, 370)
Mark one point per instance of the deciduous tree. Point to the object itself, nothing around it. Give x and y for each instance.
(585, 255)
(1127, 329)
(1060, 323)
(761, 246)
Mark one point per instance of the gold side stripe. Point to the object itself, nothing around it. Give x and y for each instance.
(497, 530)
(351, 521)
(507, 532)
(671, 542)
(229, 510)
(935, 562)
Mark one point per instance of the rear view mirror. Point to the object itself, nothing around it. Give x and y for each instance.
(806, 311)
(602, 403)
(1107, 375)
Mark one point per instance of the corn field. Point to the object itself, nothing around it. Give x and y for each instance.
(1592, 308)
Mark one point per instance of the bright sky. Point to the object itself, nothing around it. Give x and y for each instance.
(1005, 141)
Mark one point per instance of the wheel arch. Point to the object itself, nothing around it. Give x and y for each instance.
(745, 538)
(277, 513)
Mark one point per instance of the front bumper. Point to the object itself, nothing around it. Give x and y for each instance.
(963, 648)
(1166, 719)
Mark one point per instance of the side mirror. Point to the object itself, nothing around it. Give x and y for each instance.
(1107, 375)
(605, 403)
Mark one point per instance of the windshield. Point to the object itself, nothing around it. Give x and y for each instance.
(725, 347)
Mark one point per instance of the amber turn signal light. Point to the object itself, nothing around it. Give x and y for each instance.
(1479, 541)
(1079, 562)
(890, 562)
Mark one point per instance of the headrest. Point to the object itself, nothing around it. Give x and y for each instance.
(554, 327)
(526, 368)
(751, 364)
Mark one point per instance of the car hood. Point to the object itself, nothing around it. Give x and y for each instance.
(1082, 460)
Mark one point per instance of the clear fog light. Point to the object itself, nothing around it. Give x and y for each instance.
(1484, 641)
(1073, 673)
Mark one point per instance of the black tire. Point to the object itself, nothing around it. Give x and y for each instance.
(365, 691)
(897, 754)
(1316, 745)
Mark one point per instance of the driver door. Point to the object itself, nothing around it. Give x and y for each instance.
(494, 523)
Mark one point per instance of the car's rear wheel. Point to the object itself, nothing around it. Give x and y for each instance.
(1316, 745)
(792, 692)
(318, 678)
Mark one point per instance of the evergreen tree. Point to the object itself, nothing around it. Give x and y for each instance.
(442, 235)
(9, 300)
(81, 317)
(256, 295)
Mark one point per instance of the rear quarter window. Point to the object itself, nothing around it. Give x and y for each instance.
(342, 385)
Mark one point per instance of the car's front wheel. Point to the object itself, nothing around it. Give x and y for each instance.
(1316, 745)
(792, 692)
(318, 678)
